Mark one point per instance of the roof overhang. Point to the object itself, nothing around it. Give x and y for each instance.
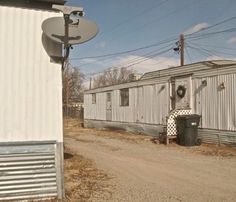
(34, 4)
(53, 1)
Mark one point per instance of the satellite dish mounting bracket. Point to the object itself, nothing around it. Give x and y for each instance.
(67, 11)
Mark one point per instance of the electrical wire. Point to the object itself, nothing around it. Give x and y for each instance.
(134, 17)
(114, 28)
(214, 25)
(132, 63)
(206, 54)
(217, 47)
(163, 17)
(190, 59)
(128, 51)
(214, 52)
(209, 34)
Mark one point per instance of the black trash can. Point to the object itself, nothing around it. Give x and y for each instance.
(187, 129)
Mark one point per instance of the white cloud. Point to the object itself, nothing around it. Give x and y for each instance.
(214, 57)
(101, 44)
(148, 64)
(232, 40)
(196, 28)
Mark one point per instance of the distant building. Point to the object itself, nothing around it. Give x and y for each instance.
(151, 103)
(31, 130)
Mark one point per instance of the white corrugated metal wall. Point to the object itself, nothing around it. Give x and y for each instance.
(95, 111)
(153, 105)
(30, 85)
(31, 135)
(123, 113)
(147, 104)
(216, 105)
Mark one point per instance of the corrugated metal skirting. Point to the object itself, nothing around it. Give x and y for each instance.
(218, 137)
(27, 171)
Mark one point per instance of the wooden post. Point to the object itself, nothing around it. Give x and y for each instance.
(90, 83)
(181, 40)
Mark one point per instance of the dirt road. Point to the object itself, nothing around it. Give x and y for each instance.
(143, 171)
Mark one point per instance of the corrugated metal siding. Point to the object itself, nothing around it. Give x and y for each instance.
(217, 137)
(215, 71)
(132, 84)
(189, 69)
(207, 102)
(227, 102)
(27, 171)
(200, 69)
(95, 111)
(123, 113)
(30, 85)
(153, 104)
(217, 106)
(147, 104)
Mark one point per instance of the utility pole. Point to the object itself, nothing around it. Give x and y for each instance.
(181, 49)
(90, 83)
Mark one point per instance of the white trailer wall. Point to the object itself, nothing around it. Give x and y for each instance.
(124, 113)
(30, 85)
(147, 104)
(153, 105)
(216, 104)
(31, 135)
(95, 111)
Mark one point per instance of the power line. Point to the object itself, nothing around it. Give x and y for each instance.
(190, 59)
(202, 36)
(189, 36)
(200, 51)
(112, 29)
(127, 51)
(133, 62)
(218, 47)
(135, 16)
(165, 16)
(212, 51)
(214, 25)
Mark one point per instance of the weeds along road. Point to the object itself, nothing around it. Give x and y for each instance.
(143, 171)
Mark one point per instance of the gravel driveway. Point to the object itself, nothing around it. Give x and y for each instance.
(143, 171)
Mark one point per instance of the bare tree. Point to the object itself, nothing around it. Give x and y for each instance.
(72, 85)
(112, 77)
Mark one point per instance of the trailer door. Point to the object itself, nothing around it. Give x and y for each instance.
(109, 106)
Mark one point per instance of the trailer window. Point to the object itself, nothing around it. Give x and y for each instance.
(94, 98)
(124, 97)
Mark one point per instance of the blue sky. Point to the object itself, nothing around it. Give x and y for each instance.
(130, 24)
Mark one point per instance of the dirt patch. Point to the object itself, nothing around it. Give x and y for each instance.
(215, 150)
(83, 181)
(140, 166)
(73, 129)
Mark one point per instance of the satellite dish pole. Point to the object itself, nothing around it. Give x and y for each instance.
(66, 44)
(67, 11)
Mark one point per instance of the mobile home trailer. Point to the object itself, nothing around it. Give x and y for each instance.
(31, 131)
(154, 101)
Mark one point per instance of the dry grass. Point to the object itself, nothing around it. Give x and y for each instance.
(83, 181)
(72, 128)
(215, 150)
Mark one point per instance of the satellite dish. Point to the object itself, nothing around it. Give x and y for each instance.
(80, 30)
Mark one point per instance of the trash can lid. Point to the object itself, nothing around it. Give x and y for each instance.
(188, 116)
